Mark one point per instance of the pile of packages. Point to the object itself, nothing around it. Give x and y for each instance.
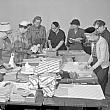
(45, 82)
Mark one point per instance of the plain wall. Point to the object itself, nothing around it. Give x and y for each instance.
(63, 11)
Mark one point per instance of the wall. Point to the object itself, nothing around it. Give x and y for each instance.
(63, 11)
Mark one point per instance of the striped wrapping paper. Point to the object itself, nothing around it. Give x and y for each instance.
(48, 66)
(47, 83)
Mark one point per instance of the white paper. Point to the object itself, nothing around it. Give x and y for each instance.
(80, 91)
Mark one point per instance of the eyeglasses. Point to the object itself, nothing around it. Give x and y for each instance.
(97, 28)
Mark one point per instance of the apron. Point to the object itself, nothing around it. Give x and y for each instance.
(102, 74)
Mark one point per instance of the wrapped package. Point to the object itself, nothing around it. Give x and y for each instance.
(33, 82)
(46, 82)
(48, 66)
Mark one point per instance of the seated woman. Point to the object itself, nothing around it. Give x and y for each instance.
(56, 39)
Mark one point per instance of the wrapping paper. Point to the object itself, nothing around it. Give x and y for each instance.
(47, 83)
(5, 91)
(48, 66)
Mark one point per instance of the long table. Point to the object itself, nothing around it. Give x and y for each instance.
(62, 102)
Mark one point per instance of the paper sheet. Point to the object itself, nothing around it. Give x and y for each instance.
(77, 67)
(80, 91)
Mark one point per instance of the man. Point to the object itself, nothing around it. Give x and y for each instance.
(75, 36)
(56, 39)
(20, 42)
(99, 59)
(37, 33)
(101, 29)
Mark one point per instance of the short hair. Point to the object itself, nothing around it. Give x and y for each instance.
(56, 24)
(75, 22)
(37, 18)
(99, 23)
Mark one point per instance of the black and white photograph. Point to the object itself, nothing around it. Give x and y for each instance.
(54, 55)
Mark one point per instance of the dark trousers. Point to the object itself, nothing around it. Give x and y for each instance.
(102, 74)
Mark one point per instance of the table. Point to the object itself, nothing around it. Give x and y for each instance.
(62, 102)
(80, 55)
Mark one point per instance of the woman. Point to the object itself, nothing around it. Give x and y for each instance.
(56, 39)
(75, 36)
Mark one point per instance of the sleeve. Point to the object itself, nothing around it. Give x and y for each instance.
(29, 37)
(83, 37)
(103, 49)
(44, 37)
(68, 36)
(90, 59)
(50, 35)
(62, 37)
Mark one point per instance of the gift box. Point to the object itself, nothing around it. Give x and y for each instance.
(45, 82)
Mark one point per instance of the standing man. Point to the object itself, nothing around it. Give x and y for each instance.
(75, 36)
(99, 59)
(103, 31)
(37, 33)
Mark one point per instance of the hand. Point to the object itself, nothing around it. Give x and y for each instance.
(54, 49)
(87, 66)
(91, 69)
(71, 40)
(78, 40)
(50, 48)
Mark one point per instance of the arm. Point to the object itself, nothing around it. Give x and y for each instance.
(90, 60)
(29, 38)
(61, 40)
(44, 38)
(49, 42)
(59, 45)
(67, 40)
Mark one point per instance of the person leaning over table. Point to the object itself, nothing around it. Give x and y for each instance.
(99, 59)
(37, 33)
(75, 36)
(20, 41)
(103, 31)
(56, 39)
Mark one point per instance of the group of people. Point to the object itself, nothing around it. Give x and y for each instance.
(93, 40)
